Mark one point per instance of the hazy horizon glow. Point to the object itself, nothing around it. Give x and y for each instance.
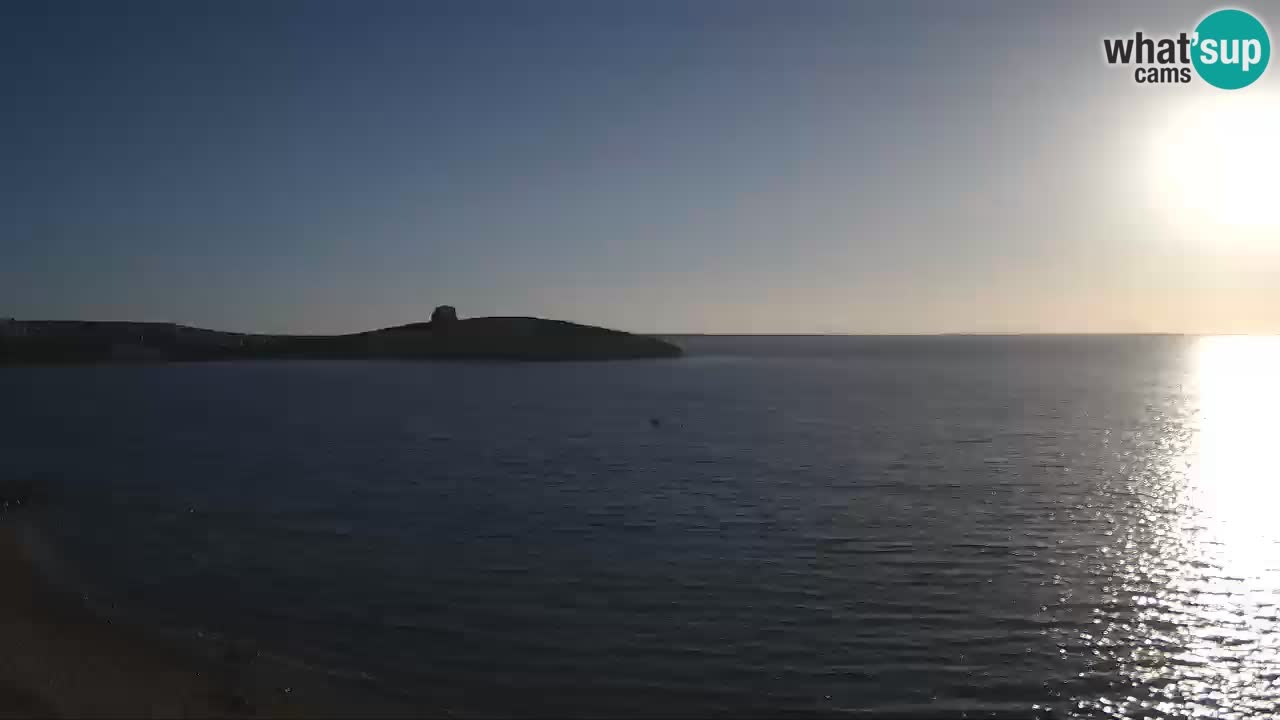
(710, 167)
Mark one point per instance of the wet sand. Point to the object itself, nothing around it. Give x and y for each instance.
(61, 659)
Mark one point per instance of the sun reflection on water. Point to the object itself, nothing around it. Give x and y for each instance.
(1235, 482)
(1204, 638)
(1234, 487)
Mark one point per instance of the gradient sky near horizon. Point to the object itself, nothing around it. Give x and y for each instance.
(710, 166)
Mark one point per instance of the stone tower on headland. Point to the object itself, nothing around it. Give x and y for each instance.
(444, 314)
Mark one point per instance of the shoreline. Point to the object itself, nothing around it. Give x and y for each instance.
(65, 660)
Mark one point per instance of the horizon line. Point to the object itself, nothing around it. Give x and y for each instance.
(951, 333)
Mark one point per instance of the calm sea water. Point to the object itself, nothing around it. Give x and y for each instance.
(770, 525)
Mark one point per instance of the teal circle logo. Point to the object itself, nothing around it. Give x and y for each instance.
(1231, 49)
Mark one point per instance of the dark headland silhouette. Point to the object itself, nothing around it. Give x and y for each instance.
(443, 337)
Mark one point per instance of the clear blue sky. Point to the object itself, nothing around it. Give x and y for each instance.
(703, 166)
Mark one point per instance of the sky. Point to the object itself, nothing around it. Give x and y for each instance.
(725, 166)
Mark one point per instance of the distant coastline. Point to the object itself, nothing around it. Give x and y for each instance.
(443, 337)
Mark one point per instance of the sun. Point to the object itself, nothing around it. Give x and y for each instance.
(1216, 162)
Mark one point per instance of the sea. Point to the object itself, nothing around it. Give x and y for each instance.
(957, 526)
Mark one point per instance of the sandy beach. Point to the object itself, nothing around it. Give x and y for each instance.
(63, 660)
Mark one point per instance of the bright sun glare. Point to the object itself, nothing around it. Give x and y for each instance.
(1216, 160)
(1236, 481)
